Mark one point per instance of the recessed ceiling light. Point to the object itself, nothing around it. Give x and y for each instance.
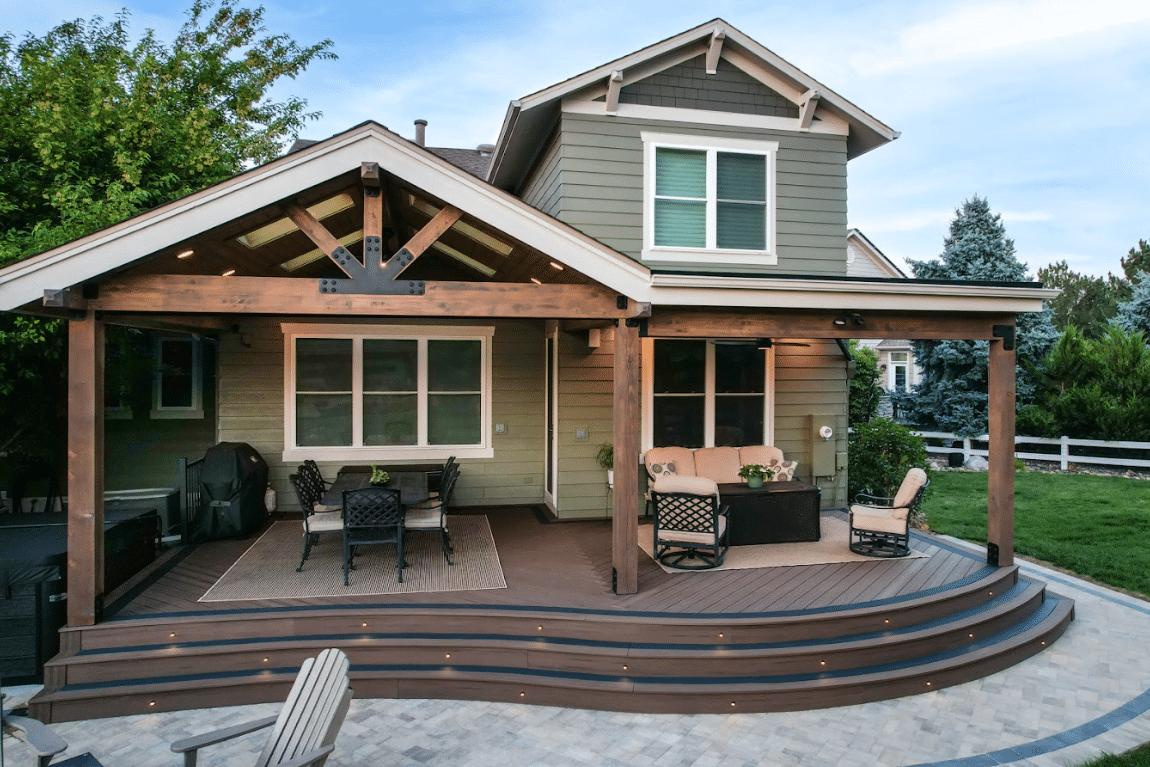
(185, 254)
(229, 272)
(557, 266)
(537, 282)
(282, 226)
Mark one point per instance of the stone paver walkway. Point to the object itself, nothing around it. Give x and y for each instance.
(1087, 694)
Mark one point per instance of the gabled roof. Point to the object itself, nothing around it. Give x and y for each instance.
(858, 242)
(261, 190)
(529, 119)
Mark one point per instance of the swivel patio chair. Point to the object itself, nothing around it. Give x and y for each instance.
(690, 526)
(307, 725)
(371, 515)
(318, 518)
(432, 514)
(880, 527)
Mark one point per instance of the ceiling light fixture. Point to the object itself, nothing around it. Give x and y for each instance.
(185, 254)
(556, 266)
(229, 272)
(848, 318)
(537, 282)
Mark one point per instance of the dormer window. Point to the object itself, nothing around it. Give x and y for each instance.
(708, 199)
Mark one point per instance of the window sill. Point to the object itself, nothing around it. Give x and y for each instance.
(712, 257)
(380, 454)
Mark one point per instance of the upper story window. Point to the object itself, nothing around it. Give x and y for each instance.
(177, 386)
(387, 392)
(708, 200)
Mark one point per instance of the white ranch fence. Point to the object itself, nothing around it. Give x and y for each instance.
(1063, 456)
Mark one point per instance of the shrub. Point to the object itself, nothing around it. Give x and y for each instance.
(880, 454)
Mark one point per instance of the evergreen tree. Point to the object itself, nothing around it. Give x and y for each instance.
(952, 395)
(1134, 315)
(1086, 303)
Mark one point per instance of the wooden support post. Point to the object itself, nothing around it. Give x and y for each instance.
(625, 514)
(85, 470)
(1000, 475)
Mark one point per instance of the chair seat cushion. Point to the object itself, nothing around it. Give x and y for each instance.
(322, 507)
(879, 520)
(424, 519)
(325, 522)
(683, 536)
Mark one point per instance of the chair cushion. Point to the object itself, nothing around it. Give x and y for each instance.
(325, 522)
(683, 536)
(718, 463)
(682, 458)
(763, 455)
(673, 483)
(880, 520)
(424, 519)
(325, 507)
(915, 479)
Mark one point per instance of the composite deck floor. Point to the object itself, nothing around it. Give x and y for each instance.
(568, 565)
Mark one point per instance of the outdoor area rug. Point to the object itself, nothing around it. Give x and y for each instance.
(267, 569)
(831, 548)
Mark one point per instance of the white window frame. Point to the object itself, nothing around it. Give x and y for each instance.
(893, 365)
(196, 410)
(712, 145)
(357, 451)
(648, 383)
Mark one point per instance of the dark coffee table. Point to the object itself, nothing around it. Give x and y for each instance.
(777, 512)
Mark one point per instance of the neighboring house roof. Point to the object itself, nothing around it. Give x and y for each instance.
(864, 259)
(474, 161)
(893, 344)
(529, 119)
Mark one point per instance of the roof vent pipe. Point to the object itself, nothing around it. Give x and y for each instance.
(486, 149)
(421, 132)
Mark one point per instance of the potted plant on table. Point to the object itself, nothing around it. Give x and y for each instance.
(606, 458)
(756, 474)
(379, 477)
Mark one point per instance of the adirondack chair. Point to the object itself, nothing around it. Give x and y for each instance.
(305, 730)
(43, 741)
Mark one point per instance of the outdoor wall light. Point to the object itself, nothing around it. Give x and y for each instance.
(848, 318)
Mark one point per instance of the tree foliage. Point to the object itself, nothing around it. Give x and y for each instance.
(952, 393)
(1134, 314)
(1093, 388)
(880, 453)
(1086, 303)
(864, 390)
(94, 129)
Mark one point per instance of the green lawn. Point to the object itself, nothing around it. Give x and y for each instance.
(1139, 757)
(1094, 526)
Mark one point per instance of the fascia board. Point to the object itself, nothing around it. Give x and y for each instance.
(687, 290)
(142, 235)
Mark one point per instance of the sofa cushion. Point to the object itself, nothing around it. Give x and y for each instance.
(671, 483)
(670, 460)
(718, 463)
(763, 455)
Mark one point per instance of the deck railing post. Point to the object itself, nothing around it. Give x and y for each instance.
(625, 516)
(85, 469)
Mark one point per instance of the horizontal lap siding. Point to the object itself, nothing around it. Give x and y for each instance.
(251, 410)
(811, 380)
(601, 188)
(586, 400)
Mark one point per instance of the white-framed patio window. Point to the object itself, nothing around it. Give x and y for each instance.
(177, 383)
(387, 392)
(699, 393)
(708, 199)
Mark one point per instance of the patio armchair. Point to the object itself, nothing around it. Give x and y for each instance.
(689, 523)
(318, 518)
(371, 515)
(880, 527)
(304, 732)
(432, 514)
(36, 734)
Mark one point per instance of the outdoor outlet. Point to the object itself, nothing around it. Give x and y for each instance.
(500, 428)
(581, 433)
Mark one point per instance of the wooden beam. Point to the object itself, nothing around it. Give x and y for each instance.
(807, 106)
(323, 239)
(625, 512)
(695, 323)
(203, 294)
(614, 85)
(372, 200)
(193, 323)
(66, 298)
(431, 231)
(1000, 474)
(714, 50)
(85, 469)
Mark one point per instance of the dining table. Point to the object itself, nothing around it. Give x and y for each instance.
(410, 480)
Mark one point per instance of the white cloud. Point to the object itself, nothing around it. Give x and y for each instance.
(985, 29)
(1024, 216)
(907, 222)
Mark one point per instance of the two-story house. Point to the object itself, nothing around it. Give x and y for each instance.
(653, 253)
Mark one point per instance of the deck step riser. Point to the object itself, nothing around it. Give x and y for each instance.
(720, 658)
(623, 694)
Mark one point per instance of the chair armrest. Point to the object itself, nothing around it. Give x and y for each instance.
(872, 499)
(197, 742)
(310, 758)
(37, 735)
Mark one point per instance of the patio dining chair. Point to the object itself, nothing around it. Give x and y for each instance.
(371, 515)
(318, 518)
(304, 732)
(690, 526)
(432, 514)
(880, 527)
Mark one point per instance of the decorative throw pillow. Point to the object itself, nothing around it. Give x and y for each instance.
(662, 469)
(785, 471)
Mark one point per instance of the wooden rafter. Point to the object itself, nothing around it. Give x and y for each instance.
(714, 50)
(807, 106)
(686, 323)
(614, 86)
(168, 294)
(372, 201)
(324, 240)
(432, 230)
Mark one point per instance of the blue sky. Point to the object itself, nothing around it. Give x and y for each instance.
(1038, 105)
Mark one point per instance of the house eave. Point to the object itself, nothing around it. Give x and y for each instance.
(859, 295)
